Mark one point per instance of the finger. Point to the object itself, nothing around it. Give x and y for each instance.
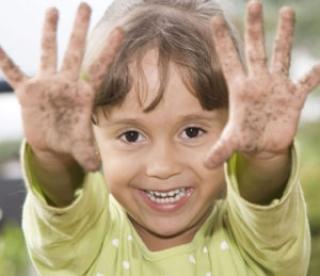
(310, 81)
(222, 149)
(49, 43)
(283, 44)
(74, 55)
(12, 72)
(254, 38)
(98, 69)
(226, 50)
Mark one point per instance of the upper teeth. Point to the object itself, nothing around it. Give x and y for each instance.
(171, 193)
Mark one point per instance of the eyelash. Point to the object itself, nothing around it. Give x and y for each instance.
(136, 135)
(125, 139)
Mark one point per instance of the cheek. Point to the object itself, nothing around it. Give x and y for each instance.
(119, 169)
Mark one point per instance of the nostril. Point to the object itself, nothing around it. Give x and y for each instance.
(162, 171)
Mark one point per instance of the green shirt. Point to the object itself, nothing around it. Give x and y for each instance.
(93, 236)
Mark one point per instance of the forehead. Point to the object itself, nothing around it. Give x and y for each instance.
(145, 73)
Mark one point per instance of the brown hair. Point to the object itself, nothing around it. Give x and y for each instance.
(180, 32)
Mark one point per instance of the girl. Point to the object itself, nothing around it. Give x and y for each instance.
(161, 82)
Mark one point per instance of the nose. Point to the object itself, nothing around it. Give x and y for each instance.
(163, 163)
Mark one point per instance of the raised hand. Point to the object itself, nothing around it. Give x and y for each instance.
(57, 105)
(264, 104)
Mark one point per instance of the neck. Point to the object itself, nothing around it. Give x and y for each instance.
(157, 242)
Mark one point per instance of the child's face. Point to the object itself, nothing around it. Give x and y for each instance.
(153, 162)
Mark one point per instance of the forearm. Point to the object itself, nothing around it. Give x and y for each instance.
(263, 179)
(272, 229)
(59, 177)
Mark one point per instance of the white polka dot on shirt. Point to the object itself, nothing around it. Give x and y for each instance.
(224, 246)
(99, 274)
(115, 242)
(205, 250)
(208, 274)
(130, 238)
(126, 265)
(192, 259)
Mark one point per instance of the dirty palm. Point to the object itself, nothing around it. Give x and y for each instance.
(161, 101)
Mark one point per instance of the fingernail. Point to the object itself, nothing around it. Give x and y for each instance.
(217, 20)
(255, 2)
(84, 11)
(287, 11)
(116, 32)
(255, 5)
(210, 164)
(53, 12)
(93, 167)
(85, 6)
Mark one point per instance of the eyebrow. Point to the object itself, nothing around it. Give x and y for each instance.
(181, 119)
(198, 117)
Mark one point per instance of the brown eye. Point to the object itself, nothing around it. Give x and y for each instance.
(193, 132)
(132, 136)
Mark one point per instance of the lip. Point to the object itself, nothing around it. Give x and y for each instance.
(166, 207)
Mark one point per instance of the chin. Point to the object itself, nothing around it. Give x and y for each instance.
(166, 230)
(160, 228)
(167, 233)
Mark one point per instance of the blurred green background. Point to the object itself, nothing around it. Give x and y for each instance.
(13, 256)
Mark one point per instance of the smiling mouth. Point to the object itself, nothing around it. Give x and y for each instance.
(170, 197)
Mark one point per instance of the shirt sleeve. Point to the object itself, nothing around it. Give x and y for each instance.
(276, 237)
(57, 238)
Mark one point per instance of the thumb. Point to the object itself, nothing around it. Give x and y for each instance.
(222, 150)
(87, 157)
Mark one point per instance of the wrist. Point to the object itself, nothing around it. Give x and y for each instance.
(266, 157)
(262, 178)
(52, 159)
(58, 175)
